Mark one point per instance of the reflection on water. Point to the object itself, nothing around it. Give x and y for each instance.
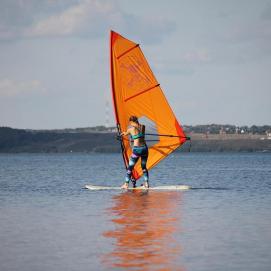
(145, 226)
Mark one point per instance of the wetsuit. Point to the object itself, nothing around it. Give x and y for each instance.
(137, 152)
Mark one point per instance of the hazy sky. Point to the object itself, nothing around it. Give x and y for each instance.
(212, 59)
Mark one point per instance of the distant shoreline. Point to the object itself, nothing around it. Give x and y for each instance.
(63, 141)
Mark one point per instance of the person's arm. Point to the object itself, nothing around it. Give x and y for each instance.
(125, 133)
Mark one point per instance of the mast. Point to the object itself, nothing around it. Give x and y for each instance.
(124, 156)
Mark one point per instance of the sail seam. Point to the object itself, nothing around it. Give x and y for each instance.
(124, 53)
(141, 92)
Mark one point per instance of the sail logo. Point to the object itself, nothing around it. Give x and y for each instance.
(136, 76)
(136, 73)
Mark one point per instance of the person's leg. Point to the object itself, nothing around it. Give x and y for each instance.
(144, 159)
(132, 161)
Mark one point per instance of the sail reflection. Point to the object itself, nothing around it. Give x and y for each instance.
(145, 228)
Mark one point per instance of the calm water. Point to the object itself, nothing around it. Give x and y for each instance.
(48, 222)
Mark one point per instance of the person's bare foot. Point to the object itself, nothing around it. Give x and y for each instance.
(146, 184)
(125, 186)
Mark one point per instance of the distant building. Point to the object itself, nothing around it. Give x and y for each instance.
(222, 131)
(113, 129)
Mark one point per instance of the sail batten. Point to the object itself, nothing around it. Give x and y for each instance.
(124, 53)
(141, 92)
(136, 91)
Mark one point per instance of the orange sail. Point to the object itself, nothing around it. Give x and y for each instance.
(136, 91)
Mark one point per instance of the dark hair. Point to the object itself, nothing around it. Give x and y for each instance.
(134, 119)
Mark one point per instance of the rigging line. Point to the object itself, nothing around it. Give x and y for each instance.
(122, 146)
(146, 140)
(186, 137)
(119, 137)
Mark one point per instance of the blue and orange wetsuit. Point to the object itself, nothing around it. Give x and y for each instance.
(138, 152)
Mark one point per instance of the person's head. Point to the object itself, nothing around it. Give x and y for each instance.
(134, 119)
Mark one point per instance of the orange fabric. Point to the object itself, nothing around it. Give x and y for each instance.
(136, 91)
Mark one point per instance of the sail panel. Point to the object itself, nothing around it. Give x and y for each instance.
(136, 91)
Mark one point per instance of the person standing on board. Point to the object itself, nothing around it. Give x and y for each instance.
(140, 150)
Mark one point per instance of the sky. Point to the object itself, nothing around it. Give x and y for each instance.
(212, 59)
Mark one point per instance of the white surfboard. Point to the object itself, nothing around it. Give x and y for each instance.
(162, 187)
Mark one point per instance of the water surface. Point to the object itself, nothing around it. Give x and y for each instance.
(48, 222)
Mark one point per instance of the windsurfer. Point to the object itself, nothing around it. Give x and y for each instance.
(140, 150)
